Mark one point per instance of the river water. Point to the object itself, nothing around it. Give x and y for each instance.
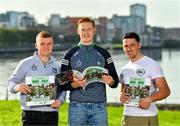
(169, 59)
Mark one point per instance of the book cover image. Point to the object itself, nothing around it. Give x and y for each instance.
(64, 77)
(42, 90)
(137, 88)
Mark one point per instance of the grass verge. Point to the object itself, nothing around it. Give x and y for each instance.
(10, 115)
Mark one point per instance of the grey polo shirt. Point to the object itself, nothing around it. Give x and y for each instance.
(33, 66)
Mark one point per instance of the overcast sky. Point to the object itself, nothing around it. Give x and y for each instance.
(162, 13)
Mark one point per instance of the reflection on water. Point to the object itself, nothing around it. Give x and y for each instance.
(153, 53)
(168, 59)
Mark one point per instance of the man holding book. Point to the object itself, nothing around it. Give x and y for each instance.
(39, 69)
(143, 83)
(88, 102)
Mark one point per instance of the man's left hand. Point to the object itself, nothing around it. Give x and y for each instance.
(145, 103)
(108, 80)
(56, 104)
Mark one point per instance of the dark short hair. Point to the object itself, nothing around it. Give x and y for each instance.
(132, 35)
(86, 19)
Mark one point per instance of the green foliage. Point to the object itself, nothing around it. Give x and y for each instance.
(117, 46)
(10, 115)
(16, 38)
(8, 37)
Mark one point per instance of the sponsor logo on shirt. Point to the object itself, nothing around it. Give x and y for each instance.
(140, 71)
(34, 67)
(54, 70)
(98, 63)
(78, 64)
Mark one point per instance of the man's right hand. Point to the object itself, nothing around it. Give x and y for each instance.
(23, 88)
(124, 97)
(78, 83)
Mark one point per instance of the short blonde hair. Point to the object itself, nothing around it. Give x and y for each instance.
(44, 34)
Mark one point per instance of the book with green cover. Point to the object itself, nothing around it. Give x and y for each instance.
(42, 90)
(137, 88)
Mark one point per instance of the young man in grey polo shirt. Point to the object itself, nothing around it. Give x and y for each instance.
(40, 64)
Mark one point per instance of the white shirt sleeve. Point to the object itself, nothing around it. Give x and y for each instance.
(156, 71)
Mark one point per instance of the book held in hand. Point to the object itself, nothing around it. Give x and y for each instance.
(64, 77)
(42, 90)
(137, 88)
(91, 74)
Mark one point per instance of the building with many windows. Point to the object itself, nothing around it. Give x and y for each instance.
(138, 10)
(17, 20)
